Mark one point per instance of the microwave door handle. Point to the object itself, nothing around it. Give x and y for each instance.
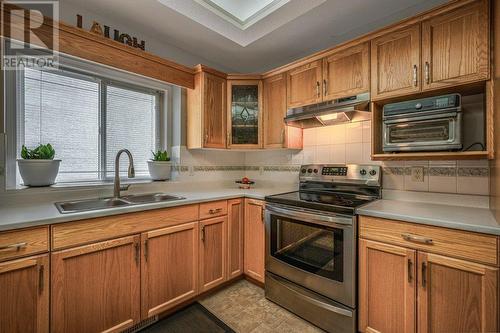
(328, 221)
(421, 118)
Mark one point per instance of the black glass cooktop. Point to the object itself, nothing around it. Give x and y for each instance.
(333, 202)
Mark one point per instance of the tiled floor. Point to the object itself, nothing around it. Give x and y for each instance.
(243, 307)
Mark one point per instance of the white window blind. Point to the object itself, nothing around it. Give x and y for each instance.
(87, 119)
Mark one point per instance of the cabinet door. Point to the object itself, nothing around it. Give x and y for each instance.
(386, 288)
(214, 111)
(96, 288)
(455, 46)
(395, 61)
(346, 72)
(169, 267)
(213, 253)
(276, 133)
(456, 295)
(235, 214)
(245, 113)
(304, 84)
(24, 295)
(254, 239)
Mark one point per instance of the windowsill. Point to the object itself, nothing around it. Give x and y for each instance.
(81, 185)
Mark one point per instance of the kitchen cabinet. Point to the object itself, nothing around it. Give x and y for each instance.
(245, 113)
(304, 84)
(206, 111)
(276, 133)
(24, 305)
(212, 253)
(395, 61)
(428, 279)
(254, 239)
(169, 267)
(456, 295)
(387, 277)
(455, 46)
(235, 221)
(96, 287)
(346, 72)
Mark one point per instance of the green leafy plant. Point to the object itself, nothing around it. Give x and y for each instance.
(42, 152)
(161, 156)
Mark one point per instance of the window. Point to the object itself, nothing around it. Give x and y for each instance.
(88, 119)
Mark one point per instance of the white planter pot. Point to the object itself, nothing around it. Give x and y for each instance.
(38, 172)
(160, 170)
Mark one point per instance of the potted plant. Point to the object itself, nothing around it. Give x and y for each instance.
(37, 166)
(160, 166)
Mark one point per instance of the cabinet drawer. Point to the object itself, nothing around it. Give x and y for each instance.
(93, 230)
(213, 209)
(14, 244)
(476, 247)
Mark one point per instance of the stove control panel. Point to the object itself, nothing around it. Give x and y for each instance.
(367, 174)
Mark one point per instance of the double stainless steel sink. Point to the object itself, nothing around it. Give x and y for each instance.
(105, 203)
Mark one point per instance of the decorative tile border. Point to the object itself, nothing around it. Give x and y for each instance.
(396, 171)
(442, 172)
(473, 172)
(439, 171)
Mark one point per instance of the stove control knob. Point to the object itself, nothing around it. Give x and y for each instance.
(362, 172)
(373, 172)
(315, 170)
(309, 170)
(303, 170)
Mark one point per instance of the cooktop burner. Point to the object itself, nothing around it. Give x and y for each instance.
(334, 202)
(335, 188)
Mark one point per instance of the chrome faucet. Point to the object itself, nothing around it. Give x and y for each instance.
(131, 172)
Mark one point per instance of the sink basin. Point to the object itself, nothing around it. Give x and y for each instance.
(129, 200)
(150, 198)
(90, 204)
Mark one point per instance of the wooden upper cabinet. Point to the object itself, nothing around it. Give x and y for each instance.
(244, 117)
(455, 46)
(206, 112)
(395, 63)
(235, 216)
(346, 72)
(213, 253)
(169, 267)
(254, 239)
(96, 288)
(24, 295)
(387, 278)
(276, 133)
(304, 84)
(456, 295)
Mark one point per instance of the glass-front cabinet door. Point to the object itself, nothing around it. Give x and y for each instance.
(245, 114)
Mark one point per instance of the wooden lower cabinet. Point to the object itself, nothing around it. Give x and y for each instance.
(96, 288)
(254, 239)
(213, 253)
(169, 267)
(386, 288)
(235, 220)
(24, 295)
(456, 295)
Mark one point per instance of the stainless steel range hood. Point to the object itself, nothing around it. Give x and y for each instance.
(353, 108)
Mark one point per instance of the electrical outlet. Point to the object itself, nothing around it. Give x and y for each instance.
(417, 174)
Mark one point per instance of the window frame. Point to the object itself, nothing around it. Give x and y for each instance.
(106, 76)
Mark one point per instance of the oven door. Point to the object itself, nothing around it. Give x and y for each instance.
(313, 249)
(433, 132)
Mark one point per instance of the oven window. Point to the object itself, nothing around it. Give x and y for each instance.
(424, 131)
(312, 248)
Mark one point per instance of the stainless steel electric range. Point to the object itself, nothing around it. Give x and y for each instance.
(311, 243)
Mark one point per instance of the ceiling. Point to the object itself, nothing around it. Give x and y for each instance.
(258, 35)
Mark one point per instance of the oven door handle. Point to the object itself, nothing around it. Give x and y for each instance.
(324, 220)
(421, 118)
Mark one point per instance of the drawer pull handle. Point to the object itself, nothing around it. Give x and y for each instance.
(215, 211)
(17, 246)
(417, 239)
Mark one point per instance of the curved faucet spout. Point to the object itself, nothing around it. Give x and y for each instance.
(131, 171)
